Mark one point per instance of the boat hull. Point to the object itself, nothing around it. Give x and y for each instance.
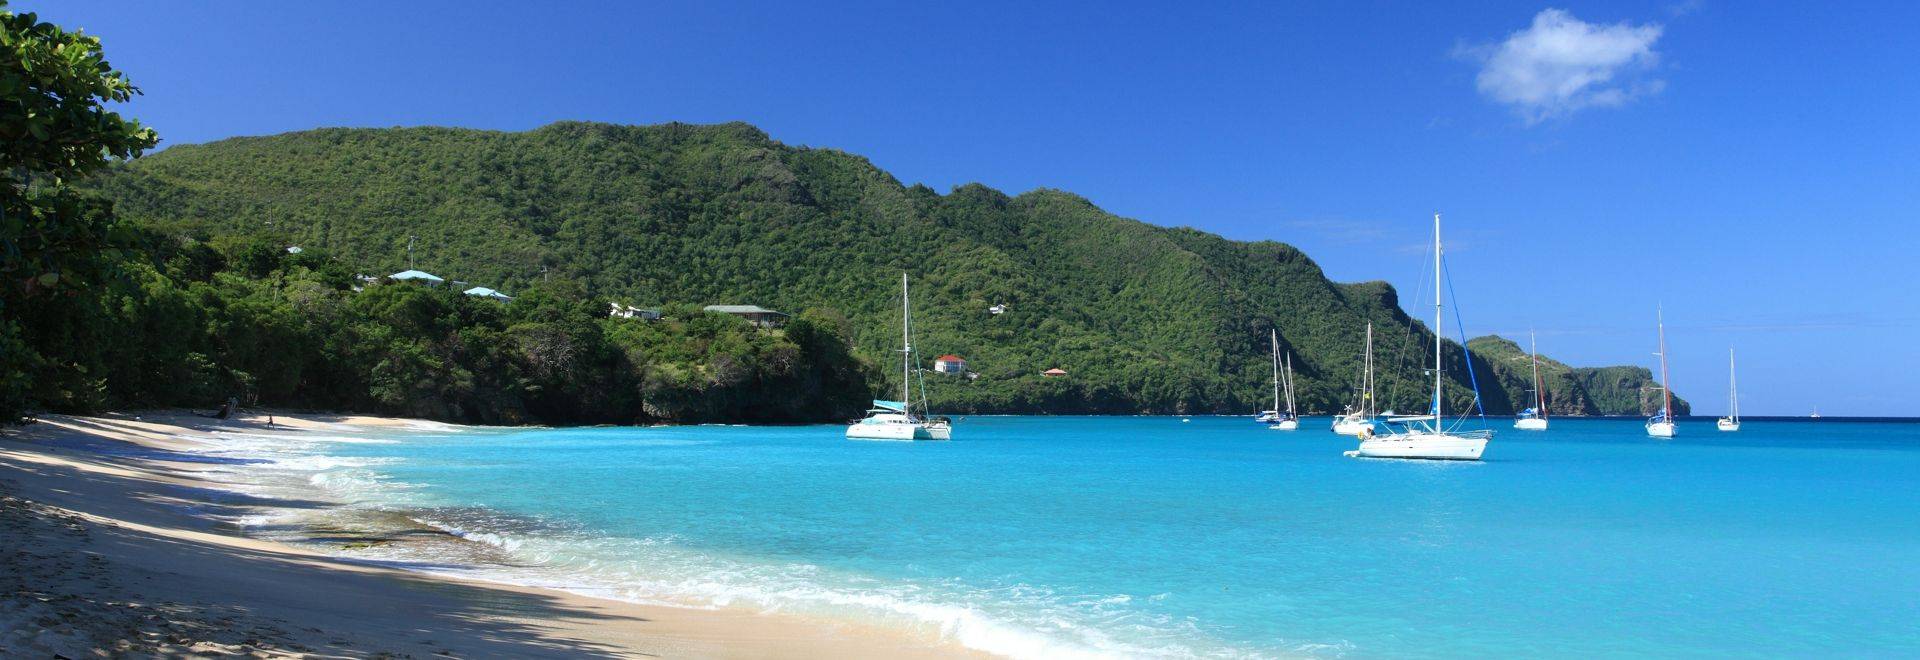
(1424, 446)
(1535, 424)
(902, 432)
(1287, 425)
(1660, 429)
(1352, 427)
(1728, 425)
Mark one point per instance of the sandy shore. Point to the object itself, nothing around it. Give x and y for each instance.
(117, 539)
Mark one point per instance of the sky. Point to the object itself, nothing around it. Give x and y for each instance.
(1751, 168)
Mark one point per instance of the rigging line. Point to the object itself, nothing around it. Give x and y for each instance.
(1468, 353)
(1406, 341)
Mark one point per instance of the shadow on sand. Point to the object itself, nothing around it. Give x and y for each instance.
(322, 604)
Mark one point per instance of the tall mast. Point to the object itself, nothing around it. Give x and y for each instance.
(1666, 388)
(1276, 368)
(1539, 394)
(1366, 383)
(1290, 411)
(1733, 386)
(1436, 319)
(906, 348)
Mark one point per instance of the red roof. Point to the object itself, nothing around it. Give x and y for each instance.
(949, 358)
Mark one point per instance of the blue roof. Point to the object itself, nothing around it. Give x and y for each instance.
(895, 406)
(486, 292)
(415, 275)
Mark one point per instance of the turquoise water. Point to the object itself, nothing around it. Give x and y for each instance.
(1054, 536)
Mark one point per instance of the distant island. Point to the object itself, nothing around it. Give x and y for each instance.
(1142, 319)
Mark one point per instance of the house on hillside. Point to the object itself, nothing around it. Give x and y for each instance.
(950, 364)
(484, 292)
(620, 311)
(422, 277)
(1054, 372)
(760, 316)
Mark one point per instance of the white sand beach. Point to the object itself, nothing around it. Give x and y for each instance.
(117, 539)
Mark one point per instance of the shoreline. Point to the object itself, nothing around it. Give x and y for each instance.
(123, 536)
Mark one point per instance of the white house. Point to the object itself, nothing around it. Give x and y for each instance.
(760, 316)
(950, 364)
(485, 292)
(429, 279)
(620, 311)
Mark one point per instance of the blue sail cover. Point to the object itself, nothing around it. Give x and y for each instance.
(896, 406)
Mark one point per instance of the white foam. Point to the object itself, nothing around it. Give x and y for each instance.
(1019, 621)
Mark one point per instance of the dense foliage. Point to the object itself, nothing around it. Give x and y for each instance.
(187, 323)
(54, 126)
(1569, 390)
(98, 312)
(1144, 318)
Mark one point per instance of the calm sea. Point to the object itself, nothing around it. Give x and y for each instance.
(1150, 536)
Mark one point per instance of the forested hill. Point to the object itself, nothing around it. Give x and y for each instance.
(1143, 318)
(1571, 390)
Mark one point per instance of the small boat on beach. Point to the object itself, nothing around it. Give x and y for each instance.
(1426, 436)
(1661, 424)
(1732, 421)
(895, 420)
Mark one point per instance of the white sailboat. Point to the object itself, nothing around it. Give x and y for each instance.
(1534, 418)
(1273, 416)
(1426, 436)
(894, 420)
(1732, 421)
(1355, 422)
(1661, 425)
(1288, 420)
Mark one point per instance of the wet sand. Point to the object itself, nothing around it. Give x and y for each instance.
(118, 538)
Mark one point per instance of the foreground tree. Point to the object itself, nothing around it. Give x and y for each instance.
(55, 87)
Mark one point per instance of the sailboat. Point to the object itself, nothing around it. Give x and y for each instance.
(1356, 422)
(1732, 421)
(1535, 418)
(1288, 420)
(1273, 416)
(1661, 425)
(1426, 436)
(894, 420)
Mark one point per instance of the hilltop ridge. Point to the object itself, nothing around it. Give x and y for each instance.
(1144, 318)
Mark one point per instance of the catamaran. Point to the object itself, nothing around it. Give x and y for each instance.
(894, 420)
(1534, 418)
(1426, 436)
(1732, 421)
(1661, 424)
(1288, 420)
(1355, 422)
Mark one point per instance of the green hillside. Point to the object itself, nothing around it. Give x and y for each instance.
(1570, 390)
(1144, 318)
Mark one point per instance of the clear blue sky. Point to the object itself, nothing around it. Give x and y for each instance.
(1754, 166)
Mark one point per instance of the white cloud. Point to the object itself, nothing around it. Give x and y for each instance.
(1562, 64)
